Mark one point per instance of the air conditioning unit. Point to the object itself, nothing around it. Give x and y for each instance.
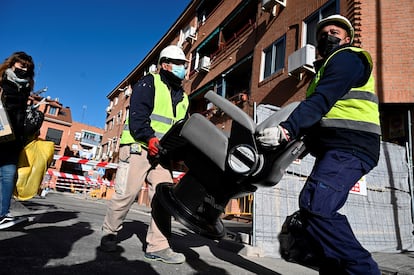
(302, 60)
(267, 5)
(152, 68)
(204, 64)
(128, 91)
(190, 33)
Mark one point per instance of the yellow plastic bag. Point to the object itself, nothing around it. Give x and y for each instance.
(33, 163)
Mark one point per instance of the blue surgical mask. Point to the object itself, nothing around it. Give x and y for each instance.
(178, 71)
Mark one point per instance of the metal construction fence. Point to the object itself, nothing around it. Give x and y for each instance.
(381, 218)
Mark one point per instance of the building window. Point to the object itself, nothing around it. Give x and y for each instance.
(88, 135)
(119, 117)
(54, 135)
(273, 58)
(126, 115)
(53, 110)
(332, 7)
(205, 9)
(91, 139)
(78, 135)
(109, 108)
(111, 124)
(194, 61)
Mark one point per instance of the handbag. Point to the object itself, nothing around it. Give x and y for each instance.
(33, 120)
(6, 131)
(32, 166)
(296, 245)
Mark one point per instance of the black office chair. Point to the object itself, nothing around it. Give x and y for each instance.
(220, 166)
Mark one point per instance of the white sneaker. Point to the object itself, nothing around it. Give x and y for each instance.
(8, 221)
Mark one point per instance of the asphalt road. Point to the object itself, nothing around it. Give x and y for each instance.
(65, 230)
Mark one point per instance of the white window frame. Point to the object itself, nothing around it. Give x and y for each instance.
(320, 13)
(274, 54)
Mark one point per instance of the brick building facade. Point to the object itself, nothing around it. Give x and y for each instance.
(247, 51)
(71, 138)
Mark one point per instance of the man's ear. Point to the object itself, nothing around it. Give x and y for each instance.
(347, 39)
(164, 66)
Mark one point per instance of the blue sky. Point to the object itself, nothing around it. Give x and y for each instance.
(83, 48)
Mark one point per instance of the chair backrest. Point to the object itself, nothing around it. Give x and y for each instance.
(277, 117)
(244, 119)
(207, 138)
(232, 110)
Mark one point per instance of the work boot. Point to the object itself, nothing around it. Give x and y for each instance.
(108, 243)
(167, 256)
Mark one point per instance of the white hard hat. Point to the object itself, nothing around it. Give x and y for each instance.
(337, 20)
(172, 52)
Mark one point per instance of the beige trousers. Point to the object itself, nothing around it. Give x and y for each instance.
(126, 192)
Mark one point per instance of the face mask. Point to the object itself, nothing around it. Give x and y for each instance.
(20, 73)
(178, 71)
(327, 43)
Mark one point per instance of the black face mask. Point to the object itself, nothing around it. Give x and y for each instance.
(21, 73)
(327, 43)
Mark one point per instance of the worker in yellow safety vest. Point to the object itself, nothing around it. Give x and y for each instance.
(339, 120)
(157, 102)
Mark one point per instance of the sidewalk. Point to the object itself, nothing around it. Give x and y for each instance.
(390, 263)
(65, 234)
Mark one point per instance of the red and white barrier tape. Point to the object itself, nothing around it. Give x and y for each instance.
(79, 182)
(78, 178)
(86, 161)
(73, 187)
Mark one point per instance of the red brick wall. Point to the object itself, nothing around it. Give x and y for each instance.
(215, 19)
(123, 103)
(386, 29)
(59, 148)
(280, 89)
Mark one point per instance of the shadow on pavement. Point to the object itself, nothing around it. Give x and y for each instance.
(42, 250)
(184, 240)
(60, 241)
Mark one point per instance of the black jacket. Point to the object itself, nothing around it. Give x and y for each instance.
(142, 104)
(345, 70)
(15, 102)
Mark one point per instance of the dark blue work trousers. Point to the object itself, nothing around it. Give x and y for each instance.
(324, 193)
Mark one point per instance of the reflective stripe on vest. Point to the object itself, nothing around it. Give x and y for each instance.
(162, 116)
(357, 109)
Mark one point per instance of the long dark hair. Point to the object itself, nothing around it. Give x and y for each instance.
(23, 58)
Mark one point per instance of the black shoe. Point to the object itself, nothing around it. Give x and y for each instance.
(108, 243)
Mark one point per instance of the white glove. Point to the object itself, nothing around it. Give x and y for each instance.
(273, 136)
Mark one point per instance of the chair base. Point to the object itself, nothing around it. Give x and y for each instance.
(190, 218)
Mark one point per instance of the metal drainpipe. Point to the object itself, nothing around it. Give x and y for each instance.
(253, 242)
(410, 166)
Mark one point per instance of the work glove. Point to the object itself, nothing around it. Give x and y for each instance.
(273, 136)
(153, 146)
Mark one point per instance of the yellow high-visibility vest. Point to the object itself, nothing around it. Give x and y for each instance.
(162, 116)
(357, 109)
